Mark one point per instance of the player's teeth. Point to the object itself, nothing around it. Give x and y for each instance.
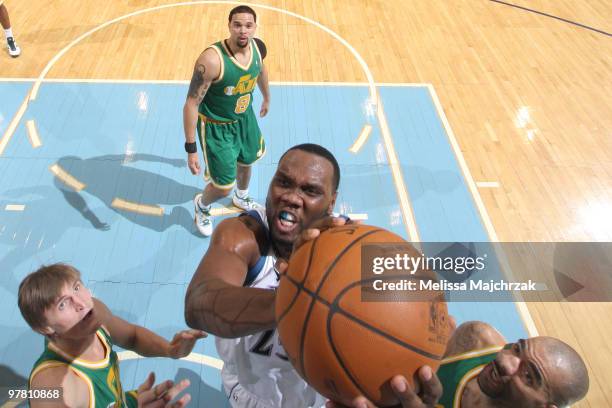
(285, 216)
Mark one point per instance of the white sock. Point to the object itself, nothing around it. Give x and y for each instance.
(202, 206)
(8, 32)
(242, 193)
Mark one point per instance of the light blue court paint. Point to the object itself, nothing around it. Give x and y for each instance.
(12, 95)
(126, 141)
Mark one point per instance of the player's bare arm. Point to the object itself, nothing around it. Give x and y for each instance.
(471, 336)
(143, 341)
(264, 87)
(216, 300)
(206, 70)
(74, 391)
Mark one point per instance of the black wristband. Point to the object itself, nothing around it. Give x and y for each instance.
(191, 147)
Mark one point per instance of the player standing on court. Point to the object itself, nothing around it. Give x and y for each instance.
(12, 46)
(219, 105)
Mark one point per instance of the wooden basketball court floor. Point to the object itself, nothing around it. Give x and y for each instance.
(491, 123)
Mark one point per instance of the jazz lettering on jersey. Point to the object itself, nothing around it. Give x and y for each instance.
(245, 84)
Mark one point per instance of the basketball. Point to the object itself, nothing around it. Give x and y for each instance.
(343, 345)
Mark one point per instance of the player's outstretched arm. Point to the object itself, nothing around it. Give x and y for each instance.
(143, 341)
(216, 299)
(206, 69)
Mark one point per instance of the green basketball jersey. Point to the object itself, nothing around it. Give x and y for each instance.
(102, 377)
(456, 371)
(230, 96)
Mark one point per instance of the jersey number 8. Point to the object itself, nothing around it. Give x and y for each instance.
(242, 103)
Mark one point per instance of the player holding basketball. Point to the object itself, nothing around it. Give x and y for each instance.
(219, 105)
(481, 370)
(231, 294)
(79, 333)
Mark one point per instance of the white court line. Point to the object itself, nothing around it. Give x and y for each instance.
(66, 177)
(186, 82)
(398, 178)
(361, 139)
(361, 61)
(220, 211)
(10, 130)
(358, 217)
(137, 207)
(14, 207)
(193, 358)
(486, 220)
(33, 134)
(487, 184)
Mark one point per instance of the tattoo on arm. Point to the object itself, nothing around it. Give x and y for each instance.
(197, 88)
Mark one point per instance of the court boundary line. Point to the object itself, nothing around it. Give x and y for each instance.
(193, 357)
(564, 20)
(521, 306)
(186, 82)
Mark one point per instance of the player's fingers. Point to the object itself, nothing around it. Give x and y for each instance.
(198, 334)
(306, 235)
(309, 234)
(182, 402)
(162, 389)
(147, 384)
(328, 222)
(281, 266)
(176, 390)
(362, 402)
(405, 393)
(194, 165)
(431, 387)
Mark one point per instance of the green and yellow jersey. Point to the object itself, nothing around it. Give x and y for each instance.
(102, 377)
(230, 96)
(456, 371)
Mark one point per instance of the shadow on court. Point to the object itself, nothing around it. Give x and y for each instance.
(113, 177)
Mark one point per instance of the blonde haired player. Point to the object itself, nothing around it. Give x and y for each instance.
(78, 357)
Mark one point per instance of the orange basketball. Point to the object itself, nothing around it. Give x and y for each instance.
(345, 346)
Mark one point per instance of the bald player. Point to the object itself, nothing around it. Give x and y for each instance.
(482, 370)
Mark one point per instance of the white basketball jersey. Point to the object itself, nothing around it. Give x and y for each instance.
(256, 371)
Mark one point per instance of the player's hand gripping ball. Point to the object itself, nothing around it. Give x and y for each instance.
(346, 346)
